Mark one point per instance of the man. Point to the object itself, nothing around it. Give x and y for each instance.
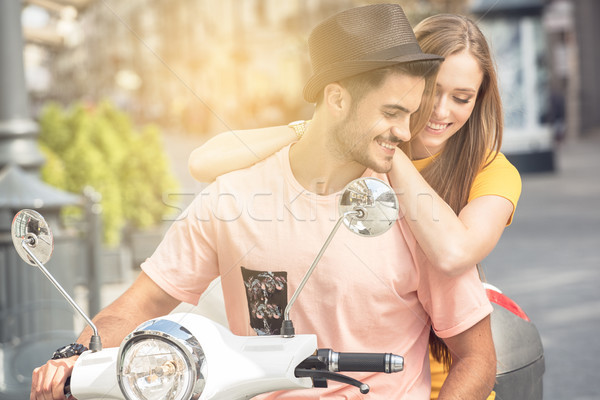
(260, 228)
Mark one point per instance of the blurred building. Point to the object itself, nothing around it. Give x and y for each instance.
(544, 52)
(515, 33)
(563, 49)
(205, 66)
(586, 58)
(194, 65)
(201, 66)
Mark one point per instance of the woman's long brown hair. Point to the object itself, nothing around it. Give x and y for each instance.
(452, 173)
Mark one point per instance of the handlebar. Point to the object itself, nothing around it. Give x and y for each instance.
(333, 361)
(325, 363)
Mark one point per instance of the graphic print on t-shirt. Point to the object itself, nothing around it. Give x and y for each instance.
(266, 292)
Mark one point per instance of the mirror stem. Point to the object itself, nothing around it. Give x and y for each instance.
(95, 342)
(287, 328)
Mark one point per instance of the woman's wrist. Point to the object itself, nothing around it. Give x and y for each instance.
(400, 164)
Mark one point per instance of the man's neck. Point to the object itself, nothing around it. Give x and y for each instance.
(315, 166)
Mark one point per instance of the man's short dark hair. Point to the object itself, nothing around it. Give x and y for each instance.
(359, 85)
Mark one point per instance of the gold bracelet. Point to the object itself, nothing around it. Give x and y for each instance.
(299, 127)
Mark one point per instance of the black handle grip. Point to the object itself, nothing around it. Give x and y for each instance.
(327, 359)
(325, 364)
(362, 362)
(367, 362)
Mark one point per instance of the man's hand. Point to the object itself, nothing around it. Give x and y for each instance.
(473, 370)
(48, 381)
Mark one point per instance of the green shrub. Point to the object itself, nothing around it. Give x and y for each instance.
(99, 147)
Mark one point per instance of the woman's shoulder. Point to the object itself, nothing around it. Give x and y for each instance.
(497, 177)
(497, 162)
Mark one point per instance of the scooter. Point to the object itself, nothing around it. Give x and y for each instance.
(187, 356)
(519, 350)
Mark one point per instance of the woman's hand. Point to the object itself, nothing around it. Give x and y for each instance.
(453, 243)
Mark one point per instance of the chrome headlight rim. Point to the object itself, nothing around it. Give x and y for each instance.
(175, 335)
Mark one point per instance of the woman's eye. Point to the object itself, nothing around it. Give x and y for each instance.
(389, 114)
(462, 101)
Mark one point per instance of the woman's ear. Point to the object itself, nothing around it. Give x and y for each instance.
(336, 98)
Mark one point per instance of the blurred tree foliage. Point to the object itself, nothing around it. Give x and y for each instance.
(99, 147)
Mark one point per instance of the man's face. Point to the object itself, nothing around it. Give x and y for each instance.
(378, 123)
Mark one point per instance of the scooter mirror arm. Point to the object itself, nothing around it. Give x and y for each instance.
(287, 327)
(95, 342)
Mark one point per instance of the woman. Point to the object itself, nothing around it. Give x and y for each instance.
(457, 190)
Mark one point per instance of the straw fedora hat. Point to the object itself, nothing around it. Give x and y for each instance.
(359, 40)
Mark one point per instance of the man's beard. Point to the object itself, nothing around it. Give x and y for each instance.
(349, 144)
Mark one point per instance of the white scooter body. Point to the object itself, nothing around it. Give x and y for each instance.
(94, 375)
(239, 367)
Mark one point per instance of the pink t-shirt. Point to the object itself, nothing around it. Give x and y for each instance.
(260, 230)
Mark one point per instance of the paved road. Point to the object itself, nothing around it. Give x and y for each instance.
(548, 260)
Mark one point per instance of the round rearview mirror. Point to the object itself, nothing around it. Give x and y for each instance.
(375, 202)
(29, 228)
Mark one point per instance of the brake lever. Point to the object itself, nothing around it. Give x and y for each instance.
(320, 378)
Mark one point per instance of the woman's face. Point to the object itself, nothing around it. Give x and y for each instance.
(458, 82)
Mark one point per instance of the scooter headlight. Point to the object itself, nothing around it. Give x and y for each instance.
(161, 360)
